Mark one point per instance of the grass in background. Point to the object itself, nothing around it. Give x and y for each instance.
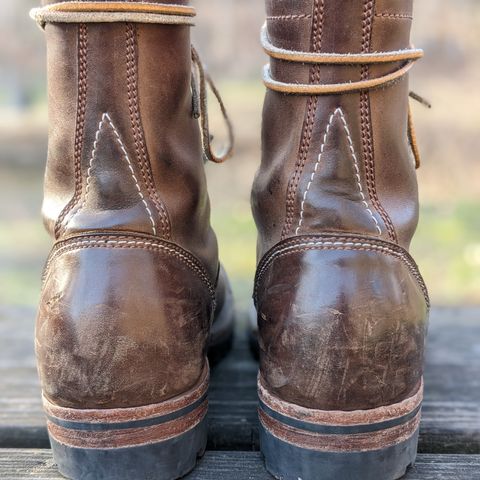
(447, 244)
(447, 249)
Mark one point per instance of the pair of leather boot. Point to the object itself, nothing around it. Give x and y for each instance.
(133, 293)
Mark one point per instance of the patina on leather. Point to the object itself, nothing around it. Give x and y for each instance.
(342, 308)
(132, 283)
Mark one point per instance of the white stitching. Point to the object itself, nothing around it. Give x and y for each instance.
(302, 208)
(89, 171)
(373, 246)
(158, 246)
(355, 164)
(357, 174)
(106, 117)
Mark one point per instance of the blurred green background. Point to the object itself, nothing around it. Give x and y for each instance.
(447, 245)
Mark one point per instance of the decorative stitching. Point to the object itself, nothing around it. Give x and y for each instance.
(127, 241)
(290, 17)
(338, 246)
(137, 129)
(318, 25)
(357, 170)
(367, 140)
(302, 207)
(395, 15)
(368, 9)
(340, 243)
(106, 118)
(307, 135)
(317, 34)
(119, 140)
(338, 111)
(79, 127)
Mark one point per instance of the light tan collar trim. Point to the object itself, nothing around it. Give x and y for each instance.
(108, 12)
(43, 18)
(138, 7)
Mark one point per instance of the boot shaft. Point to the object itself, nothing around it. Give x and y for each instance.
(125, 152)
(339, 162)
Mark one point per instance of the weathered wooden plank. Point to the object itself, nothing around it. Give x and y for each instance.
(451, 414)
(38, 464)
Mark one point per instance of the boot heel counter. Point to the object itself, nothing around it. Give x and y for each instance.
(346, 331)
(123, 321)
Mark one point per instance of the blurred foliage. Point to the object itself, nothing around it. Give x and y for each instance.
(447, 248)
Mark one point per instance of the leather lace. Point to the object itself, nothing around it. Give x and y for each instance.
(200, 80)
(407, 57)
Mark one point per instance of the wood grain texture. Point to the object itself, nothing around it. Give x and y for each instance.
(27, 464)
(451, 413)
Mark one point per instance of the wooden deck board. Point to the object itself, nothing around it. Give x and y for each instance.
(38, 464)
(451, 414)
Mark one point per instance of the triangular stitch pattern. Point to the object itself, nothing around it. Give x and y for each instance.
(339, 112)
(106, 120)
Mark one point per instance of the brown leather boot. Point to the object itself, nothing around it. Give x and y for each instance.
(133, 281)
(342, 308)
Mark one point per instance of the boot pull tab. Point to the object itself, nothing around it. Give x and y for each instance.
(200, 80)
(412, 137)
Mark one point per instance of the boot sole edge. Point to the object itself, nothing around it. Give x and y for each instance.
(307, 444)
(161, 441)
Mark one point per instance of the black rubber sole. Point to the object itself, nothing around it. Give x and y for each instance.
(159, 441)
(300, 443)
(167, 460)
(286, 461)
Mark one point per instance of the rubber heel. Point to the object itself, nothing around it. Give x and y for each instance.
(305, 444)
(160, 441)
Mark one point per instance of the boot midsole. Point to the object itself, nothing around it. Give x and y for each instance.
(127, 427)
(302, 443)
(338, 431)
